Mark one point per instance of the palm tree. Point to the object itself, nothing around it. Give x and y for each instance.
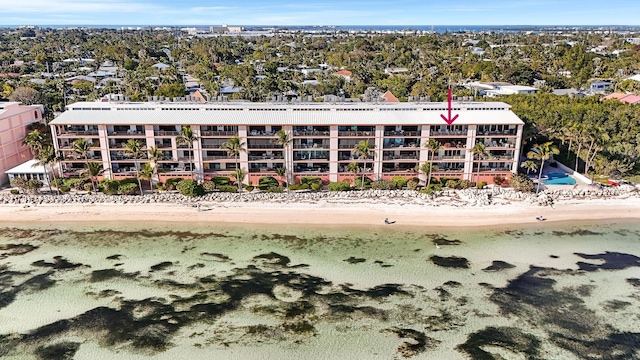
(530, 165)
(146, 172)
(187, 137)
(284, 139)
(82, 147)
(134, 149)
(355, 169)
(155, 155)
(363, 150)
(35, 140)
(234, 146)
(542, 152)
(428, 168)
(46, 156)
(282, 172)
(92, 170)
(239, 175)
(432, 146)
(480, 153)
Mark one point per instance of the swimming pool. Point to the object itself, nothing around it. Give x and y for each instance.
(559, 179)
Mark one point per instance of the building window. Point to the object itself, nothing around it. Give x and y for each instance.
(35, 113)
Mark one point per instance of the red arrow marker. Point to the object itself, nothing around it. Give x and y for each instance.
(449, 119)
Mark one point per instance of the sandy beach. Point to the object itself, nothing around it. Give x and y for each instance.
(327, 213)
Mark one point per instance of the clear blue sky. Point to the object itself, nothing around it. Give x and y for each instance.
(320, 12)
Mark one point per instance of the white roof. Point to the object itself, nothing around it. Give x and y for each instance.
(27, 168)
(518, 87)
(247, 113)
(634, 77)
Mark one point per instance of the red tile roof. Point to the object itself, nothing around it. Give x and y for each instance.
(614, 96)
(389, 97)
(630, 99)
(345, 73)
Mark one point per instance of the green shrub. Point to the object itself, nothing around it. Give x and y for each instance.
(64, 189)
(209, 186)
(160, 186)
(221, 180)
(57, 182)
(315, 187)
(383, 185)
(452, 183)
(521, 182)
(76, 183)
(88, 186)
(299, 187)
(128, 189)
(171, 184)
(412, 185)
(268, 181)
(109, 187)
(358, 183)
(435, 187)
(249, 188)
(228, 188)
(400, 181)
(34, 185)
(311, 180)
(275, 189)
(14, 191)
(338, 186)
(129, 181)
(482, 185)
(499, 180)
(464, 184)
(190, 188)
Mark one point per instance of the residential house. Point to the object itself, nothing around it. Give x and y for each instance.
(599, 86)
(346, 74)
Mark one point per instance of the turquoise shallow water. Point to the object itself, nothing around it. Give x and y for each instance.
(201, 291)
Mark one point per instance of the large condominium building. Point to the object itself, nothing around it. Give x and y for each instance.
(323, 137)
(14, 119)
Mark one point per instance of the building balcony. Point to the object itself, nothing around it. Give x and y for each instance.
(68, 133)
(401, 133)
(219, 157)
(218, 133)
(511, 132)
(262, 133)
(265, 146)
(400, 157)
(311, 146)
(311, 158)
(448, 157)
(266, 157)
(356, 133)
(394, 146)
(166, 133)
(128, 133)
(302, 133)
(448, 133)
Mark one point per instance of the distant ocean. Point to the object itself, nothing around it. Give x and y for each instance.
(382, 28)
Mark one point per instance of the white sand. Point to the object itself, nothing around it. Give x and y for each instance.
(361, 213)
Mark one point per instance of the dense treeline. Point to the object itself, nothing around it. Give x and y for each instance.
(592, 135)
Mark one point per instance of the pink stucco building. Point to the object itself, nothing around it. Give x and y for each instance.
(14, 119)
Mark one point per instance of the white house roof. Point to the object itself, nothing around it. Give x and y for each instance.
(27, 168)
(634, 77)
(470, 113)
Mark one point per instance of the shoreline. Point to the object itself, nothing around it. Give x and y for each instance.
(324, 213)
